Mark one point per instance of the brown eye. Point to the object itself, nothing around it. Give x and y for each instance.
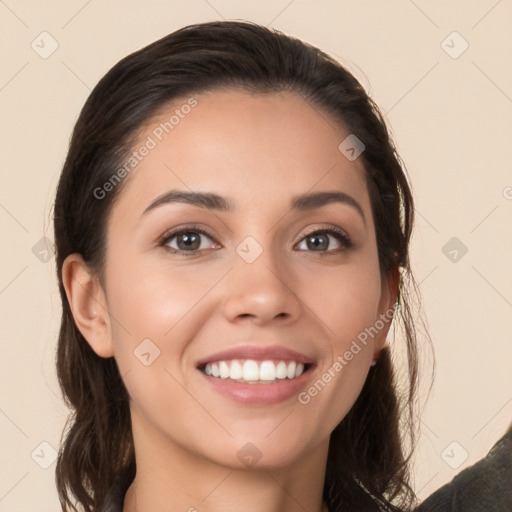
(320, 240)
(187, 240)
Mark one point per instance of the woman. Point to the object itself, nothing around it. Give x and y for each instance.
(232, 226)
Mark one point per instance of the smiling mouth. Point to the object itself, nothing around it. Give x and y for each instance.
(251, 371)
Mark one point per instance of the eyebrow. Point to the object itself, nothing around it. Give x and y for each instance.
(213, 201)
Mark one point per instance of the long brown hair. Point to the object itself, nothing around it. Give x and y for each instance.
(367, 449)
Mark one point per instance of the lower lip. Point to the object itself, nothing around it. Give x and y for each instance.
(268, 393)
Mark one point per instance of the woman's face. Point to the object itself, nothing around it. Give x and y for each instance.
(258, 284)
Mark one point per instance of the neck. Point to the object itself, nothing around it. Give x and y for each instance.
(169, 477)
(133, 499)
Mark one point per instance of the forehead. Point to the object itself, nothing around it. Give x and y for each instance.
(255, 148)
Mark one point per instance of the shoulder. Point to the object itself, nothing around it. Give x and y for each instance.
(486, 485)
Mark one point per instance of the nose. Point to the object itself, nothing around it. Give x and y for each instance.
(263, 291)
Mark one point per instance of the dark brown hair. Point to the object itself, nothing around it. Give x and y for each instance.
(367, 449)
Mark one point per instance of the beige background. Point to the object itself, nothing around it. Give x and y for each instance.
(452, 121)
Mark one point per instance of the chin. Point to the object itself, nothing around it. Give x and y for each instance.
(252, 452)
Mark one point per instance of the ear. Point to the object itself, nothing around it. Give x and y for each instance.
(388, 296)
(88, 304)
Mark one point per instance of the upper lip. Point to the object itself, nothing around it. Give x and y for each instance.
(258, 353)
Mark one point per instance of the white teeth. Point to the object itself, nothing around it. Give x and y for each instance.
(254, 371)
(267, 370)
(290, 373)
(281, 370)
(223, 370)
(235, 371)
(250, 370)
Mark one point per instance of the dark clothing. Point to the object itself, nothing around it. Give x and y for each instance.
(484, 487)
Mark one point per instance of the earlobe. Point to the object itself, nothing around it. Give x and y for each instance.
(88, 304)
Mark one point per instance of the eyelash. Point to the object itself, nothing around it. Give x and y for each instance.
(340, 235)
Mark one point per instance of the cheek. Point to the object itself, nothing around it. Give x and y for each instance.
(151, 299)
(155, 314)
(347, 307)
(346, 299)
